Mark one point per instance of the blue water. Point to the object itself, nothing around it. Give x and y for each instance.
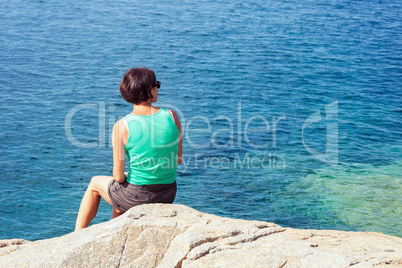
(329, 73)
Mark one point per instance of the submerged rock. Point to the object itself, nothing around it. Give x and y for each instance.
(164, 235)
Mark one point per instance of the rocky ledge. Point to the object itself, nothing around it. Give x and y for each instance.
(159, 235)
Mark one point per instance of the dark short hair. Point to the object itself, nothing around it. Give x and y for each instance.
(136, 85)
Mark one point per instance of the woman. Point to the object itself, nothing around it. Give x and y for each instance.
(151, 137)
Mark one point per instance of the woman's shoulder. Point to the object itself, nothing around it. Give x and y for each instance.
(171, 111)
(120, 131)
(122, 123)
(175, 117)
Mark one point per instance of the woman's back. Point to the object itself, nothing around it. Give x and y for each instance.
(152, 142)
(152, 148)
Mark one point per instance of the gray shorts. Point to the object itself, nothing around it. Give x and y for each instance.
(126, 195)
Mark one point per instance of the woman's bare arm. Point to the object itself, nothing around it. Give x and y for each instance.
(118, 137)
(177, 122)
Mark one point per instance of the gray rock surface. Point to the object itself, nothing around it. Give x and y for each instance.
(160, 235)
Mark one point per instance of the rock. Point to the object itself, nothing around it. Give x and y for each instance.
(164, 235)
(10, 242)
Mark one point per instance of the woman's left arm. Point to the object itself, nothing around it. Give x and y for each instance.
(118, 136)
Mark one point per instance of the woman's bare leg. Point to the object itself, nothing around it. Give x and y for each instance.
(97, 188)
(116, 213)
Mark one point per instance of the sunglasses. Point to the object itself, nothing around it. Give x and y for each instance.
(158, 84)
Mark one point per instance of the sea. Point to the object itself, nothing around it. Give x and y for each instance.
(291, 110)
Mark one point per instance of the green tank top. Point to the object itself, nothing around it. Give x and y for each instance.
(152, 148)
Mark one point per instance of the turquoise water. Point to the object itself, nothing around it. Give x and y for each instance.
(291, 109)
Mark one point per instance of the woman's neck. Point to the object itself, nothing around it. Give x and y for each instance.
(144, 108)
